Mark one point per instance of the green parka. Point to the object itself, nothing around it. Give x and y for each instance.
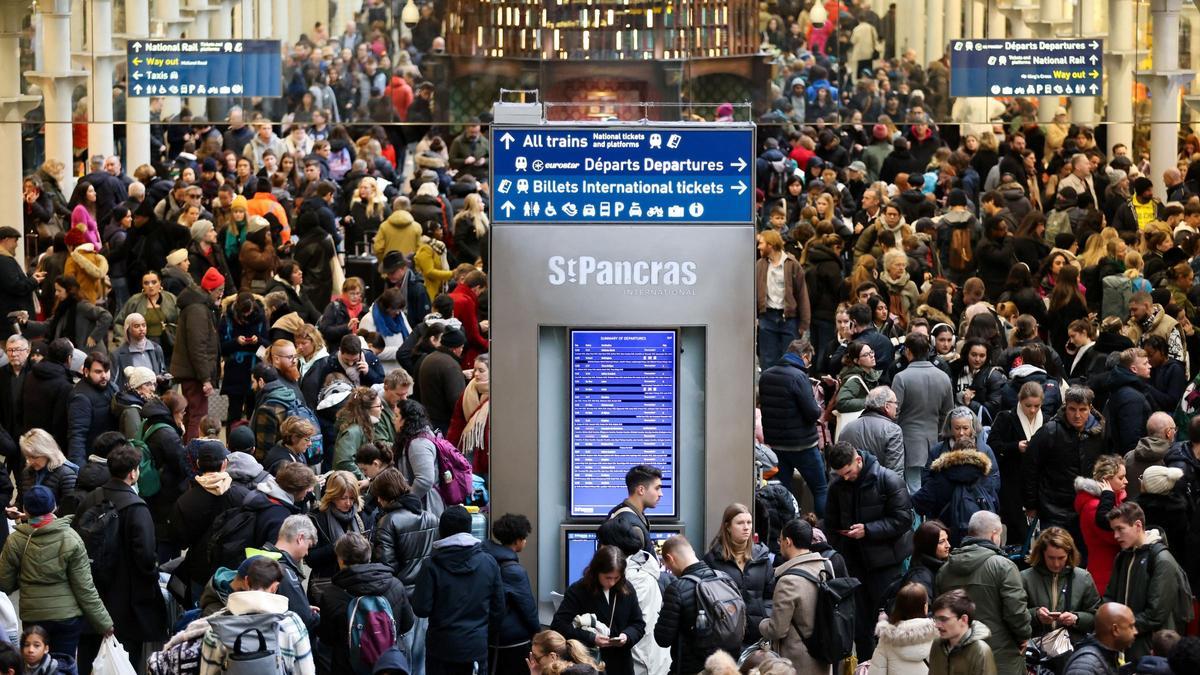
(971, 656)
(1147, 579)
(993, 582)
(1071, 590)
(50, 567)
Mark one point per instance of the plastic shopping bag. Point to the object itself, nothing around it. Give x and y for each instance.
(113, 659)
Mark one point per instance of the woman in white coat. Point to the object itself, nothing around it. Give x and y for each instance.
(905, 636)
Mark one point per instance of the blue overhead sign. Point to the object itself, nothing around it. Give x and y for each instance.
(1026, 67)
(637, 175)
(204, 68)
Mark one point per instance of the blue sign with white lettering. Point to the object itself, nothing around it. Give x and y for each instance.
(636, 175)
(204, 68)
(1026, 67)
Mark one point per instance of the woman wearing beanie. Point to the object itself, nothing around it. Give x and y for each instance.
(257, 256)
(140, 385)
(46, 560)
(138, 350)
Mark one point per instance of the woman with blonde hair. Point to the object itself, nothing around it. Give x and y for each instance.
(1096, 247)
(864, 270)
(368, 209)
(549, 646)
(361, 420)
(46, 465)
(310, 346)
(339, 512)
(734, 552)
(470, 423)
(470, 227)
(342, 316)
(1061, 593)
(295, 436)
(1094, 498)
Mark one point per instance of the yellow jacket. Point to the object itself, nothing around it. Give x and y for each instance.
(398, 233)
(433, 266)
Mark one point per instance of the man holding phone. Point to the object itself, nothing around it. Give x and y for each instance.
(359, 365)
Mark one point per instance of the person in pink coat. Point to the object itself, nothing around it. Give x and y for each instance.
(83, 216)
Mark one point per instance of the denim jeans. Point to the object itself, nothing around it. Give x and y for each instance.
(775, 333)
(415, 642)
(812, 468)
(912, 477)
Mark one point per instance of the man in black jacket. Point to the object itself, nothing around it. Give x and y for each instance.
(12, 381)
(789, 418)
(1100, 653)
(88, 412)
(869, 521)
(356, 577)
(296, 536)
(16, 287)
(211, 493)
(46, 392)
(1128, 405)
(644, 486)
(676, 627)
(129, 588)
(460, 591)
(509, 647)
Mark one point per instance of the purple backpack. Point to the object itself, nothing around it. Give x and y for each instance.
(455, 482)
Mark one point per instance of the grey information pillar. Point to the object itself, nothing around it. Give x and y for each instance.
(693, 276)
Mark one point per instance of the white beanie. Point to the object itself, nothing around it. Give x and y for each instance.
(1159, 480)
(136, 376)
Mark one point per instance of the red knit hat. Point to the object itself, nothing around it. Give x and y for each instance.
(75, 237)
(212, 280)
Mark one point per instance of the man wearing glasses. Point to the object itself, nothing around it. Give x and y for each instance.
(12, 379)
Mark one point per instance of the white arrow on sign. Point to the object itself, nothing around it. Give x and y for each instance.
(507, 208)
(1094, 45)
(137, 46)
(137, 74)
(740, 164)
(1094, 59)
(741, 187)
(507, 140)
(137, 88)
(1094, 88)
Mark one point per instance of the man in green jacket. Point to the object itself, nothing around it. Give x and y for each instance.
(992, 581)
(961, 647)
(46, 560)
(1146, 578)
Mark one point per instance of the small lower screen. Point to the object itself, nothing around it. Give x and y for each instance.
(581, 546)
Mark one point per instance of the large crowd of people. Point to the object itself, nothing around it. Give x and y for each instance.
(244, 402)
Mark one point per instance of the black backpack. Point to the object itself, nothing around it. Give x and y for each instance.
(832, 637)
(100, 529)
(774, 507)
(230, 535)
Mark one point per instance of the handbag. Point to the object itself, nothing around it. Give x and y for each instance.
(1055, 643)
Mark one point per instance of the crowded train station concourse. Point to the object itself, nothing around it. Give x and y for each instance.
(635, 337)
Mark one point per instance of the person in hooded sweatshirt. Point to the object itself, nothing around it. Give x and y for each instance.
(508, 648)
(358, 577)
(462, 595)
(211, 493)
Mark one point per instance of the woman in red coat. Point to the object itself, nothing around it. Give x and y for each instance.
(470, 427)
(1094, 498)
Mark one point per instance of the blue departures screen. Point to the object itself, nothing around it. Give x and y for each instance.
(623, 393)
(582, 545)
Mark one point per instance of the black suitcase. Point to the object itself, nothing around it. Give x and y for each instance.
(362, 263)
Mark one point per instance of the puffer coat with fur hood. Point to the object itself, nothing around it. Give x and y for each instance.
(903, 647)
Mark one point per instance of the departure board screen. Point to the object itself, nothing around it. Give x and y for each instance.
(623, 394)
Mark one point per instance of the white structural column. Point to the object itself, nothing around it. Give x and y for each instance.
(1166, 84)
(246, 24)
(996, 28)
(1118, 65)
(954, 21)
(100, 58)
(1083, 108)
(137, 110)
(1051, 22)
(976, 18)
(266, 24)
(13, 107)
(201, 13)
(286, 17)
(57, 80)
(935, 36)
(345, 14)
(170, 26)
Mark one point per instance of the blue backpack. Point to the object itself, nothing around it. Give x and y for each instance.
(315, 454)
(965, 501)
(372, 631)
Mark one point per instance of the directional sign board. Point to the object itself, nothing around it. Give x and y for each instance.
(204, 68)
(1026, 67)
(637, 175)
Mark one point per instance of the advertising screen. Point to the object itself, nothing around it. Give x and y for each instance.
(623, 394)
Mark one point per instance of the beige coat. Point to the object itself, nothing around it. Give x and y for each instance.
(795, 603)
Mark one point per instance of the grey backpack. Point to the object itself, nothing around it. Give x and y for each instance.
(251, 647)
(1116, 294)
(720, 611)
